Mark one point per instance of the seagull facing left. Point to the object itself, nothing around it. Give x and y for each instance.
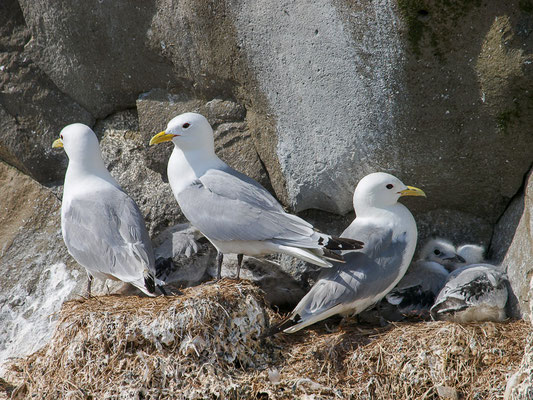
(101, 225)
(233, 211)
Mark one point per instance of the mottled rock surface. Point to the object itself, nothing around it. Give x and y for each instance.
(505, 229)
(519, 258)
(372, 87)
(520, 384)
(123, 151)
(32, 108)
(96, 51)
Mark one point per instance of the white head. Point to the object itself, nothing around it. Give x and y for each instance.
(441, 251)
(381, 190)
(189, 131)
(472, 253)
(81, 145)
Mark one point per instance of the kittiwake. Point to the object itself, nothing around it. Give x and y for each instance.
(233, 211)
(473, 293)
(443, 252)
(389, 232)
(101, 225)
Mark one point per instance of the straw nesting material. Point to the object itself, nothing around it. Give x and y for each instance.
(205, 344)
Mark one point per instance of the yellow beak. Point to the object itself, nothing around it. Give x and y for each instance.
(412, 191)
(161, 137)
(57, 143)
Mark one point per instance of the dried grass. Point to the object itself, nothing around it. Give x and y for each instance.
(425, 360)
(205, 344)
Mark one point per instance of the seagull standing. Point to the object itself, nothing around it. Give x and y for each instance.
(101, 225)
(389, 232)
(233, 211)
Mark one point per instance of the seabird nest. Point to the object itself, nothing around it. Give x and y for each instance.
(206, 344)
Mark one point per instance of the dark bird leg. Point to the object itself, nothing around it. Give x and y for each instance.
(163, 291)
(89, 284)
(220, 258)
(239, 263)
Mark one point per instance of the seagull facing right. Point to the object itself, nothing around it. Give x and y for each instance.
(442, 251)
(389, 232)
(476, 292)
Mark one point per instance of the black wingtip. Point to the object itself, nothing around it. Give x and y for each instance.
(335, 243)
(281, 326)
(149, 283)
(331, 255)
(163, 266)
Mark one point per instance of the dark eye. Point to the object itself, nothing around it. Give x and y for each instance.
(437, 252)
(185, 125)
(61, 136)
(390, 186)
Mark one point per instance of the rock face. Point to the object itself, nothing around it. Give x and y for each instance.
(519, 257)
(122, 149)
(325, 81)
(520, 384)
(96, 51)
(32, 108)
(333, 90)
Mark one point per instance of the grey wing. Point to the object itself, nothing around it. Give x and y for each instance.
(366, 274)
(105, 232)
(470, 286)
(419, 287)
(224, 207)
(231, 184)
(427, 276)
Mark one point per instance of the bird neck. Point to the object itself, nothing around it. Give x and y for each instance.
(84, 166)
(184, 167)
(396, 216)
(364, 208)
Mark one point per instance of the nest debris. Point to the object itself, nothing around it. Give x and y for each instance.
(206, 344)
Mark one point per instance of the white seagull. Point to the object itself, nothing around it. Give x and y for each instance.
(101, 225)
(477, 292)
(389, 232)
(233, 211)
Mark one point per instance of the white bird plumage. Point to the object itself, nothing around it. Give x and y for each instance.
(102, 226)
(389, 232)
(233, 211)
